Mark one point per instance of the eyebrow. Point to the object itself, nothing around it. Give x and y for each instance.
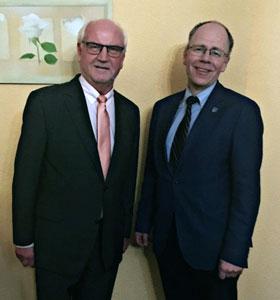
(104, 45)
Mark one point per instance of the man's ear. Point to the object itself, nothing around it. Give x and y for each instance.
(185, 53)
(225, 63)
(79, 50)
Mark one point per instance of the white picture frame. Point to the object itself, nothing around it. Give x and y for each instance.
(38, 41)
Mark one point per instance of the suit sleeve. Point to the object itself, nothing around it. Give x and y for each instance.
(27, 168)
(146, 207)
(129, 194)
(245, 165)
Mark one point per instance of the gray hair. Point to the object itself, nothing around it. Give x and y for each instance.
(81, 34)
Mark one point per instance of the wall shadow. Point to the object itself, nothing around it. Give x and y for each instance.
(148, 253)
(75, 65)
(177, 79)
(152, 262)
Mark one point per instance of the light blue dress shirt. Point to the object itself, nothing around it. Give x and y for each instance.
(196, 108)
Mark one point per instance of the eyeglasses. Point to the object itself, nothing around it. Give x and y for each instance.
(200, 50)
(95, 48)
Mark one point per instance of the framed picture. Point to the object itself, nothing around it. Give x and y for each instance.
(39, 38)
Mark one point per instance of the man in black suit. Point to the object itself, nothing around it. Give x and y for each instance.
(201, 187)
(71, 214)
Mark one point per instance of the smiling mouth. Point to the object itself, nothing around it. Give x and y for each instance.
(202, 70)
(101, 67)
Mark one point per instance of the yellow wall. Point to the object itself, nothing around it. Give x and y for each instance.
(157, 32)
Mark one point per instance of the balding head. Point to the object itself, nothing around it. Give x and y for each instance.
(229, 36)
(206, 55)
(104, 23)
(101, 52)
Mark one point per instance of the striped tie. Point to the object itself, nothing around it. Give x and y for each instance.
(181, 133)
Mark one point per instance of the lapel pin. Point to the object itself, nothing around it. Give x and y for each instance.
(214, 109)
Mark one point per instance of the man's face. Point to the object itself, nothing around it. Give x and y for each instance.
(204, 69)
(101, 69)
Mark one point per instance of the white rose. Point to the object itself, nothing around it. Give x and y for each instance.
(33, 26)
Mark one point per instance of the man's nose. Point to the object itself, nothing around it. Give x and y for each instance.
(206, 55)
(103, 54)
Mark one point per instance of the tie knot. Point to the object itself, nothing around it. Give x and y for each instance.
(101, 99)
(192, 100)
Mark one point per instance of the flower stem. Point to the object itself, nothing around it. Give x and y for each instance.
(38, 51)
(36, 43)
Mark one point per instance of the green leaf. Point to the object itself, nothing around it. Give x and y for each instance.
(48, 47)
(50, 59)
(27, 56)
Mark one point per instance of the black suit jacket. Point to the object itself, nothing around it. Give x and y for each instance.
(58, 187)
(215, 192)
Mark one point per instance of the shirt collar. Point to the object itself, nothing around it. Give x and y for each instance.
(202, 96)
(93, 94)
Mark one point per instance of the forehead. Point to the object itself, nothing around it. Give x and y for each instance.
(211, 35)
(104, 33)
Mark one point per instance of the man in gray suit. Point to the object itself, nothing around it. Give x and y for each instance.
(201, 187)
(71, 210)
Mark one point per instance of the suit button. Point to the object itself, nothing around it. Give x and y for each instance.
(98, 221)
(105, 188)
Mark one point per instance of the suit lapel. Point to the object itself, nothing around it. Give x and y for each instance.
(76, 105)
(206, 121)
(209, 114)
(167, 115)
(120, 129)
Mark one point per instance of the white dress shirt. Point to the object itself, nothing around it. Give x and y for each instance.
(91, 95)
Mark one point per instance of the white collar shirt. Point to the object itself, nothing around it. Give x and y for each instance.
(91, 95)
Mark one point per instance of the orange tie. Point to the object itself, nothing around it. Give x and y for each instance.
(103, 134)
